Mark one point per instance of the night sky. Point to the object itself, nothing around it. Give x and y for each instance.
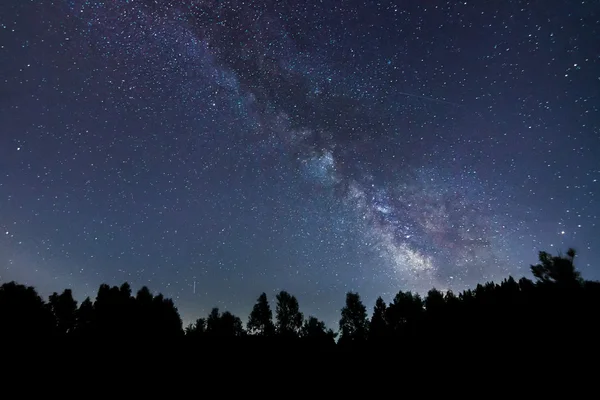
(213, 150)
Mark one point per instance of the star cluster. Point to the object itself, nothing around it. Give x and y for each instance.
(213, 150)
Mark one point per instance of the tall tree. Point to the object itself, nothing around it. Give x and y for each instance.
(223, 325)
(196, 329)
(378, 328)
(64, 308)
(232, 325)
(114, 311)
(212, 322)
(313, 327)
(435, 317)
(405, 310)
(434, 302)
(84, 325)
(315, 332)
(289, 317)
(260, 321)
(144, 297)
(557, 269)
(164, 318)
(23, 313)
(354, 324)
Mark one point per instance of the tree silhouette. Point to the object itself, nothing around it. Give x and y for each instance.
(84, 318)
(64, 308)
(559, 313)
(289, 317)
(435, 302)
(378, 329)
(260, 321)
(113, 311)
(116, 313)
(23, 313)
(557, 269)
(526, 286)
(354, 324)
(405, 310)
(224, 325)
(316, 333)
(144, 304)
(197, 329)
(164, 319)
(144, 297)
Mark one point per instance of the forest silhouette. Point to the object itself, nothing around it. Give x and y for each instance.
(556, 310)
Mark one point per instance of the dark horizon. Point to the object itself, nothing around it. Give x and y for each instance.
(559, 299)
(190, 319)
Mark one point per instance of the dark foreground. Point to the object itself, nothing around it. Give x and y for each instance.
(558, 314)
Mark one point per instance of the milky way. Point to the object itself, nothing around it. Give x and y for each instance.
(320, 147)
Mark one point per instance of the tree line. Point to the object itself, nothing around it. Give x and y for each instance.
(557, 305)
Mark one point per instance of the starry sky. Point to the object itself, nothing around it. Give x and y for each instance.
(216, 149)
